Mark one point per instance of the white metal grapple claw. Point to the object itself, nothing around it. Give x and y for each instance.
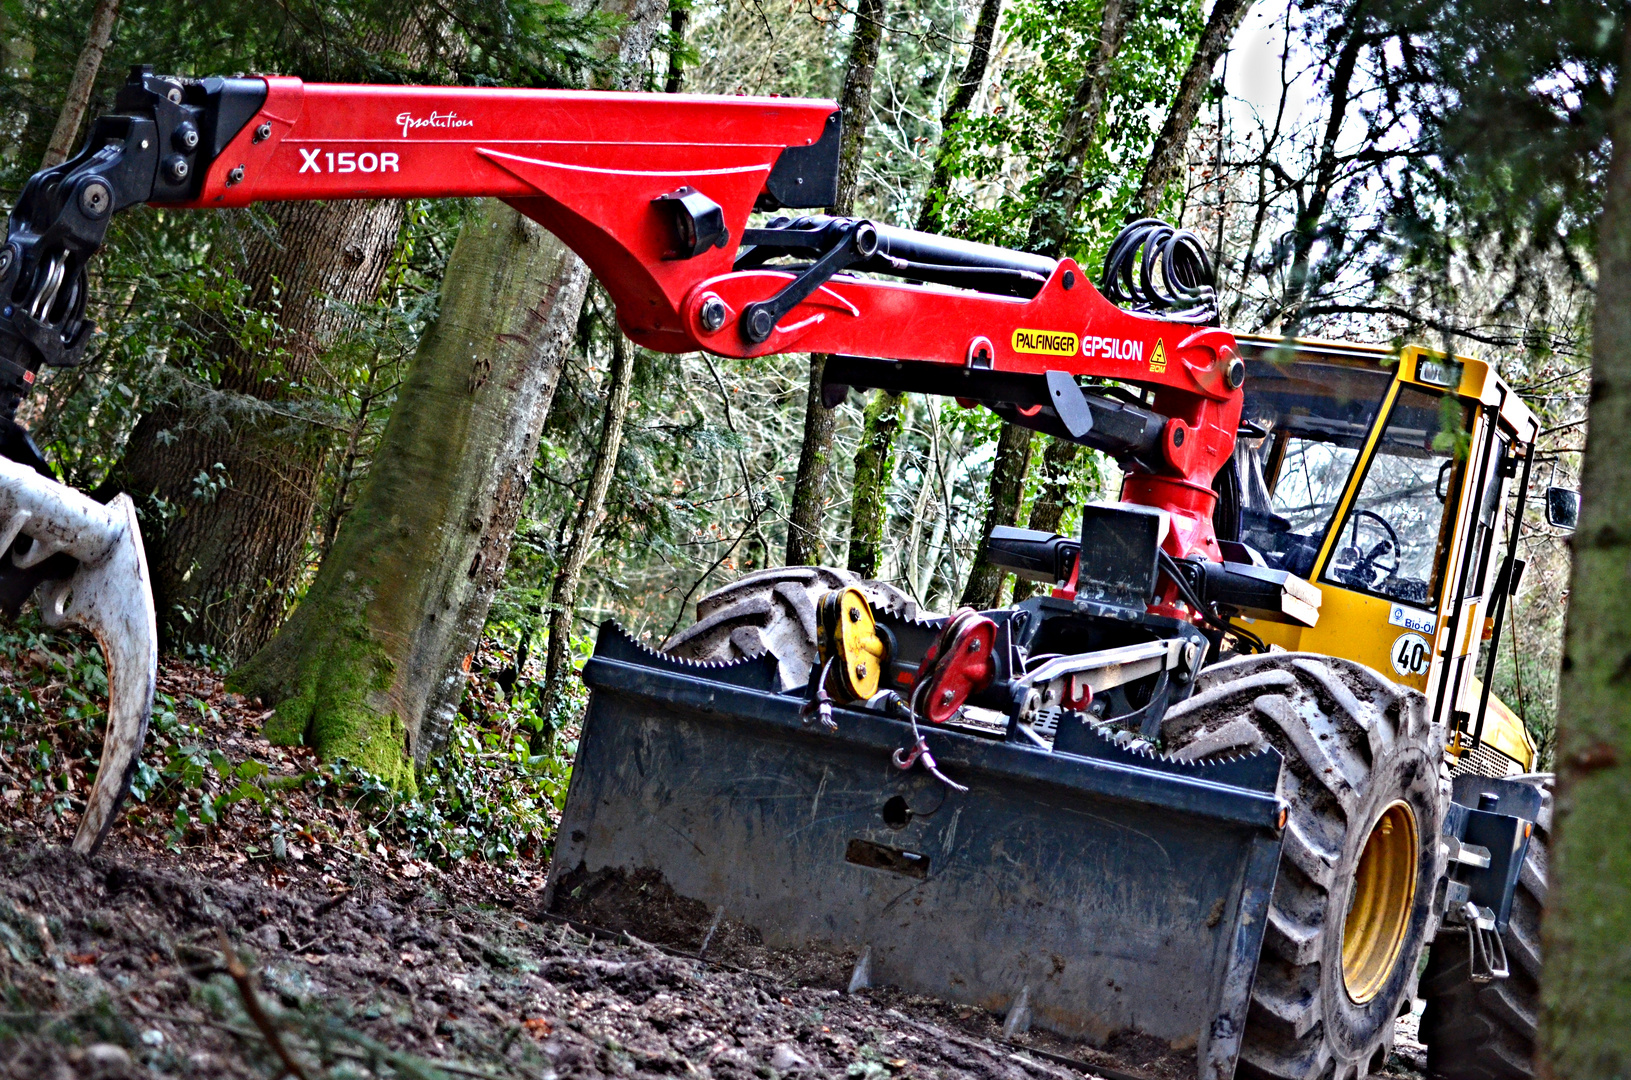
(109, 594)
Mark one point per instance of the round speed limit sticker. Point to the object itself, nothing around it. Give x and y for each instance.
(1411, 654)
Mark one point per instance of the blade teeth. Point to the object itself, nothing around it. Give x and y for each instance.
(1166, 759)
(680, 661)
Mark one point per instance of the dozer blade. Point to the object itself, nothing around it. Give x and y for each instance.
(110, 594)
(1103, 892)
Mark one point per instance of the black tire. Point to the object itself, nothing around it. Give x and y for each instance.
(774, 611)
(1487, 1032)
(1354, 744)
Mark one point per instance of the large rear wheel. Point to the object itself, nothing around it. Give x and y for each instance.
(1353, 903)
(1487, 1031)
(774, 611)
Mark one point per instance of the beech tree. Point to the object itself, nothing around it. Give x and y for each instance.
(372, 664)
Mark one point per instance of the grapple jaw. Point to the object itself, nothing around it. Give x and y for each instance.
(95, 578)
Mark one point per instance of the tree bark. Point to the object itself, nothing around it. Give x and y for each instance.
(984, 586)
(1062, 194)
(679, 14)
(1050, 229)
(224, 568)
(930, 216)
(874, 466)
(103, 18)
(1586, 984)
(874, 458)
(373, 664)
(804, 531)
(564, 591)
(1167, 156)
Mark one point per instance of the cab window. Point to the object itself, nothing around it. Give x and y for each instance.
(1396, 535)
(1304, 425)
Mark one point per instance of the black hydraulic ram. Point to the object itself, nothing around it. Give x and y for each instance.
(1097, 892)
(902, 253)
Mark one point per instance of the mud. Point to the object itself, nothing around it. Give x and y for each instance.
(113, 969)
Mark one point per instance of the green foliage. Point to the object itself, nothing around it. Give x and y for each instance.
(1004, 153)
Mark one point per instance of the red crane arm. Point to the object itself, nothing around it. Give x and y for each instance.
(655, 192)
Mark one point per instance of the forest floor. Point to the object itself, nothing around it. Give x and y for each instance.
(223, 935)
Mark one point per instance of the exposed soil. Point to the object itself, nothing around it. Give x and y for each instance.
(367, 961)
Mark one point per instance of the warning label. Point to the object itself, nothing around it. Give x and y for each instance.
(1158, 358)
(1045, 342)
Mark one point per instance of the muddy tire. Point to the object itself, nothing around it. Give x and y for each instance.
(1362, 764)
(1488, 1032)
(774, 611)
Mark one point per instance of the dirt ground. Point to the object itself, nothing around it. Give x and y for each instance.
(339, 957)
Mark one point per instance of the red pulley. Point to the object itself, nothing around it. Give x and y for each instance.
(958, 664)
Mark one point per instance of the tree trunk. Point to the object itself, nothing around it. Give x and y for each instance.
(373, 664)
(679, 13)
(1052, 499)
(1167, 157)
(804, 532)
(564, 592)
(984, 586)
(1586, 983)
(103, 18)
(223, 569)
(929, 216)
(869, 509)
(1050, 228)
(874, 466)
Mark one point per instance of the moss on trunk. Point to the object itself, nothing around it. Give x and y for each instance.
(1586, 983)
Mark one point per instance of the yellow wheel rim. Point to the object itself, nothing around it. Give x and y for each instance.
(1379, 910)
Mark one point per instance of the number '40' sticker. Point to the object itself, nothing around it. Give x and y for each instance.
(1411, 654)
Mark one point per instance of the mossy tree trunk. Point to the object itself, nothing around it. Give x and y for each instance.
(373, 663)
(1586, 982)
(874, 459)
(1050, 228)
(370, 666)
(984, 586)
(809, 502)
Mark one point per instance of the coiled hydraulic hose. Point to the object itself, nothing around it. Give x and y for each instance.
(1157, 268)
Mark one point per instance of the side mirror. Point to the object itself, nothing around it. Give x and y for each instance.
(1562, 508)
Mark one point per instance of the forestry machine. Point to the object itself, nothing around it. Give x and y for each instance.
(1218, 786)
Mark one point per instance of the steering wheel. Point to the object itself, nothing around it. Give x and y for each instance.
(1365, 571)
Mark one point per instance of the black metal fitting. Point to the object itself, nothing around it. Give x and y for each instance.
(697, 223)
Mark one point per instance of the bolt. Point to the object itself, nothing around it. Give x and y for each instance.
(6, 258)
(186, 136)
(235, 176)
(860, 670)
(176, 168)
(761, 323)
(973, 645)
(173, 95)
(263, 132)
(712, 314)
(95, 198)
(854, 614)
(947, 697)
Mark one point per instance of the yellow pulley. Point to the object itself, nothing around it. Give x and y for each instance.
(850, 638)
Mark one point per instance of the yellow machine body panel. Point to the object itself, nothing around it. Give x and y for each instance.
(1382, 477)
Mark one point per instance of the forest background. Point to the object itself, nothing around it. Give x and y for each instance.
(252, 362)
